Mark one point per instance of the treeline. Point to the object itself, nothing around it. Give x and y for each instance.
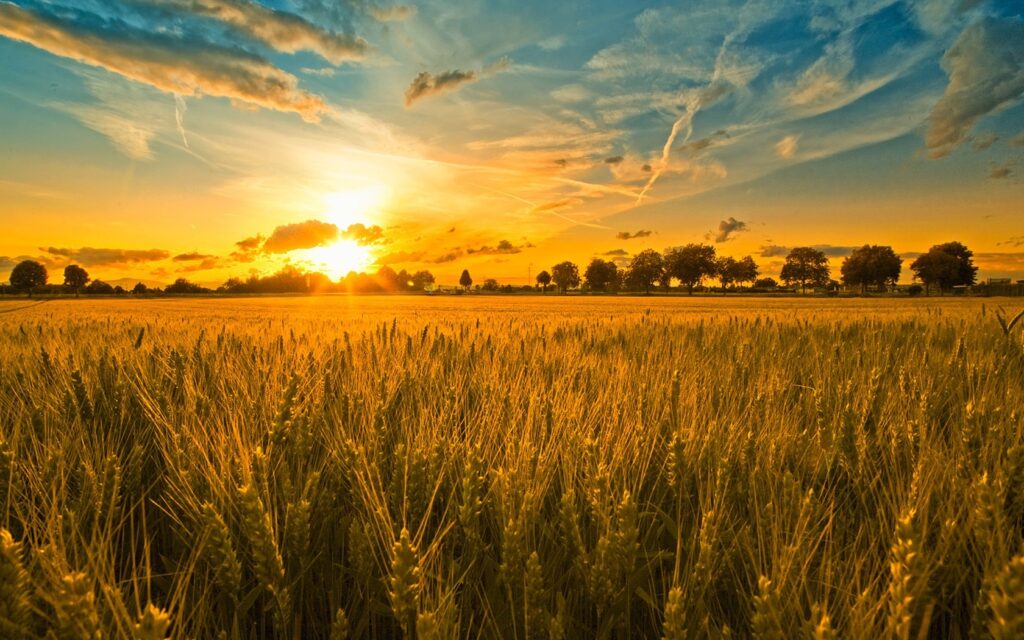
(31, 277)
(870, 267)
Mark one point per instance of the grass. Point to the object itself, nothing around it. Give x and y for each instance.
(516, 468)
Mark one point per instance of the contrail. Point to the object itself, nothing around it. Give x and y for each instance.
(180, 107)
(711, 92)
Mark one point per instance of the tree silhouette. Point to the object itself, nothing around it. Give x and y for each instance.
(646, 268)
(75, 277)
(805, 266)
(871, 265)
(140, 288)
(746, 270)
(946, 266)
(691, 264)
(544, 279)
(464, 280)
(600, 274)
(28, 275)
(566, 275)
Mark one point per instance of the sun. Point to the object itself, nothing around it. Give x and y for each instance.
(338, 259)
(345, 208)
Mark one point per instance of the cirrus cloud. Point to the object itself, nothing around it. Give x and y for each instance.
(178, 65)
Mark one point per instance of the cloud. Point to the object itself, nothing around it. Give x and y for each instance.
(96, 257)
(786, 148)
(616, 252)
(285, 32)
(192, 256)
(985, 140)
(1000, 171)
(625, 235)
(324, 72)
(613, 160)
(209, 262)
(986, 73)
(503, 247)
(696, 146)
(571, 93)
(178, 65)
(1014, 241)
(300, 235)
(832, 251)
(393, 13)
(553, 43)
(451, 256)
(1017, 141)
(426, 84)
(726, 228)
(397, 257)
(363, 234)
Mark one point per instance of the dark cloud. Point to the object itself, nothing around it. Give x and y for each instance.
(301, 235)
(398, 257)
(986, 73)
(182, 65)
(503, 247)
(96, 257)
(426, 84)
(451, 256)
(280, 30)
(1000, 171)
(192, 256)
(832, 251)
(726, 229)
(1014, 241)
(616, 252)
(625, 235)
(613, 160)
(696, 146)
(985, 140)
(363, 234)
(210, 262)
(646, 168)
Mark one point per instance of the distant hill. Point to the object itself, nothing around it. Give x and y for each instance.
(128, 283)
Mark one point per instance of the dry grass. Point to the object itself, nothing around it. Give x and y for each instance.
(510, 467)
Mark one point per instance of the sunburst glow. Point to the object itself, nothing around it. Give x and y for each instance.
(337, 259)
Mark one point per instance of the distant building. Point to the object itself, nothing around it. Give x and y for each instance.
(1000, 281)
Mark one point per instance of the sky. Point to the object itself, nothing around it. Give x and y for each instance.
(158, 139)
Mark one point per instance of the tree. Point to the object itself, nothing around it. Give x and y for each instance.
(75, 277)
(566, 275)
(464, 280)
(765, 283)
(871, 265)
(691, 264)
(98, 287)
(601, 275)
(140, 288)
(946, 266)
(181, 285)
(544, 279)
(490, 284)
(746, 270)
(646, 268)
(727, 268)
(28, 275)
(805, 266)
(421, 280)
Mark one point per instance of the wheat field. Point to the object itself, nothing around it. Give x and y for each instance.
(536, 467)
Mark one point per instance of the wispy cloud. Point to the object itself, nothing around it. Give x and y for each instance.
(426, 84)
(177, 65)
(626, 235)
(786, 148)
(283, 31)
(95, 257)
(986, 73)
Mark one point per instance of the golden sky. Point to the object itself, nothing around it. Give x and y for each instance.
(157, 139)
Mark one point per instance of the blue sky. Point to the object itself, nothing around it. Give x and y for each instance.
(499, 135)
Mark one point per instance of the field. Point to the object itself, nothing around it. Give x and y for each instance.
(536, 467)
